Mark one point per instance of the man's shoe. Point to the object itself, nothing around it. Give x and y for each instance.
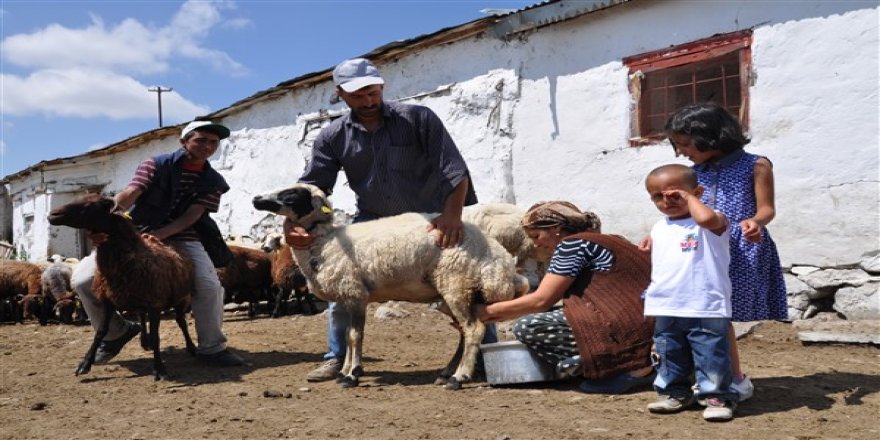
(223, 358)
(109, 349)
(744, 388)
(718, 410)
(615, 385)
(669, 404)
(329, 370)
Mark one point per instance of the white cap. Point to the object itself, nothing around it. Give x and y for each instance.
(219, 130)
(355, 74)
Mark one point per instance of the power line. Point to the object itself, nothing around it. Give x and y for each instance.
(159, 90)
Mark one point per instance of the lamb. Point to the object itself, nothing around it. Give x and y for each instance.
(134, 273)
(247, 277)
(56, 287)
(393, 258)
(287, 277)
(20, 284)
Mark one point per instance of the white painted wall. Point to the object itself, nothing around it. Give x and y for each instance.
(547, 116)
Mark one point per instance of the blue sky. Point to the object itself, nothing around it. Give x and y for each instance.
(74, 74)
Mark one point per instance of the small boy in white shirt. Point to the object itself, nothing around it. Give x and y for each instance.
(689, 295)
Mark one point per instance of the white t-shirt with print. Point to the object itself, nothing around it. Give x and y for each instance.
(689, 271)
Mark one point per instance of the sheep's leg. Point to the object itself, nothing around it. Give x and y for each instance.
(281, 297)
(252, 308)
(44, 311)
(472, 330)
(158, 367)
(352, 369)
(145, 335)
(450, 368)
(447, 372)
(306, 298)
(86, 365)
(180, 317)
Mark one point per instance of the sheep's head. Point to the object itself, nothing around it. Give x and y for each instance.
(303, 204)
(272, 242)
(91, 211)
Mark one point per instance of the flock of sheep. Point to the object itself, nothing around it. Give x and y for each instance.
(260, 274)
(387, 259)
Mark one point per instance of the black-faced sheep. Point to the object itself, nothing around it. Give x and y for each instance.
(247, 278)
(287, 277)
(20, 282)
(134, 274)
(394, 258)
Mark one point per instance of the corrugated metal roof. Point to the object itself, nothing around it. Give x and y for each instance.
(503, 26)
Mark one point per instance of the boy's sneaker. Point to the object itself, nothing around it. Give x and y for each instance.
(744, 388)
(109, 349)
(718, 410)
(670, 404)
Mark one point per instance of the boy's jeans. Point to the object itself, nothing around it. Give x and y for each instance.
(693, 345)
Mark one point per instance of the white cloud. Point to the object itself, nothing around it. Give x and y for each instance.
(89, 93)
(91, 71)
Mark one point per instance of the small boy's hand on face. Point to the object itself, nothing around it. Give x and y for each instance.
(676, 196)
(751, 230)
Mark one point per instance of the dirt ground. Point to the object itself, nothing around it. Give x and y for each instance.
(802, 391)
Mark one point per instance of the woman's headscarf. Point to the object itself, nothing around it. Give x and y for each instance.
(560, 213)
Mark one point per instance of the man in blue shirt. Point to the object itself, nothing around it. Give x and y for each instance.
(397, 158)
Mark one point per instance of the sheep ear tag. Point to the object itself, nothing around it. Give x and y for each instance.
(326, 209)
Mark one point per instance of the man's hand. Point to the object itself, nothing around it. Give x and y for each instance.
(451, 230)
(150, 237)
(751, 230)
(296, 236)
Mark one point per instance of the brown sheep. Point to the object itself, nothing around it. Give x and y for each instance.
(20, 283)
(247, 278)
(134, 273)
(287, 277)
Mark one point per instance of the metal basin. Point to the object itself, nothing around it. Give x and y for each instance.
(512, 362)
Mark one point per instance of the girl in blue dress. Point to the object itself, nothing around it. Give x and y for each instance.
(740, 185)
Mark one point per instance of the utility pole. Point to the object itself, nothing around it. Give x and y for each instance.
(159, 90)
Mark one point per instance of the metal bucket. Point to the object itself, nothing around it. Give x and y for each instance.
(512, 362)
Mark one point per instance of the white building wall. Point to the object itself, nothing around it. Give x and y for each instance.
(38, 193)
(547, 116)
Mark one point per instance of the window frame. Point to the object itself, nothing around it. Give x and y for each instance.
(700, 51)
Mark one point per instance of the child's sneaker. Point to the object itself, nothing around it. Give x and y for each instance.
(718, 410)
(670, 404)
(744, 388)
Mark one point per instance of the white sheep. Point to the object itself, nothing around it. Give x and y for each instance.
(394, 258)
(56, 289)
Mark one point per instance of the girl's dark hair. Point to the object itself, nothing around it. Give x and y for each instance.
(709, 125)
